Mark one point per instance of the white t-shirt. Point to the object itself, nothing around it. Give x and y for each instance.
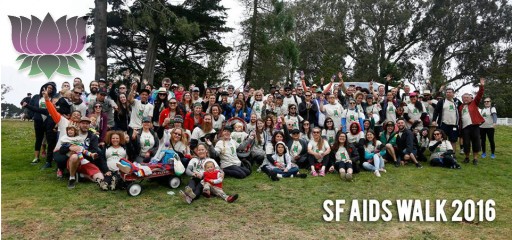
(351, 138)
(351, 115)
(342, 154)
(139, 111)
(414, 114)
(113, 155)
(466, 118)
(329, 135)
(449, 113)
(239, 136)
(391, 112)
(295, 120)
(42, 105)
(295, 149)
(314, 146)
(146, 142)
(487, 115)
(257, 108)
(217, 124)
(335, 112)
(373, 109)
(370, 148)
(440, 149)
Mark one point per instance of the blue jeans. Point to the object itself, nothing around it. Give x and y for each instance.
(292, 171)
(378, 163)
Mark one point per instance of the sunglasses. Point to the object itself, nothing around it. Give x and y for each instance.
(329, 121)
(97, 106)
(122, 88)
(353, 103)
(487, 101)
(308, 95)
(172, 103)
(162, 94)
(316, 132)
(77, 93)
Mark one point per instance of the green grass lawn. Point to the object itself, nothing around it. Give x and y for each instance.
(37, 205)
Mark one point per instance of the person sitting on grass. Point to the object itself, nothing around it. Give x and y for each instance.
(195, 170)
(373, 154)
(318, 149)
(212, 183)
(72, 138)
(90, 170)
(113, 153)
(226, 148)
(388, 138)
(441, 151)
(343, 156)
(281, 163)
(407, 144)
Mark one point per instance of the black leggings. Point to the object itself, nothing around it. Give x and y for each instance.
(489, 132)
(197, 187)
(471, 138)
(237, 171)
(51, 139)
(39, 129)
(313, 161)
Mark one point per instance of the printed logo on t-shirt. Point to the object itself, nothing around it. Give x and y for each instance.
(232, 150)
(451, 108)
(343, 156)
(146, 143)
(336, 114)
(352, 118)
(390, 109)
(295, 148)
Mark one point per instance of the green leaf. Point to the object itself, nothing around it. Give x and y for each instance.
(34, 70)
(48, 64)
(63, 67)
(77, 57)
(26, 62)
(72, 62)
(22, 56)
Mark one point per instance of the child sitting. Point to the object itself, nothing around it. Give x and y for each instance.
(73, 138)
(212, 183)
(239, 135)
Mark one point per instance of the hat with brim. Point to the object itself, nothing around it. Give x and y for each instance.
(162, 90)
(295, 131)
(85, 119)
(146, 119)
(319, 91)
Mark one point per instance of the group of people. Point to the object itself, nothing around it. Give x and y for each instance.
(283, 132)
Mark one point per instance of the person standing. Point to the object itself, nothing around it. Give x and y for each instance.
(470, 120)
(487, 128)
(446, 116)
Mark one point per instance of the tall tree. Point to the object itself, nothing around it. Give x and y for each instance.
(100, 38)
(185, 35)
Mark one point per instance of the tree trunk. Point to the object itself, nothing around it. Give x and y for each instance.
(250, 59)
(149, 65)
(100, 39)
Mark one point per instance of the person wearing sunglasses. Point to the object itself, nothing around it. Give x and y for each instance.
(293, 116)
(318, 149)
(352, 114)
(487, 129)
(441, 151)
(308, 109)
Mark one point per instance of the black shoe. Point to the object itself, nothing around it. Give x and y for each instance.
(475, 162)
(71, 183)
(46, 166)
(273, 176)
(466, 160)
(397, 163)
(456, 166)
(301, 175)
(418, 165)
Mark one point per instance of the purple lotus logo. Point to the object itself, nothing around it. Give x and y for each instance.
(48, 46)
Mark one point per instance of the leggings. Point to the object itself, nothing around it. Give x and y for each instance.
(197, 187)
(51, 139)
(237, 171)
(471, 138)
(324, 162)
(489, 132)
(40, 130)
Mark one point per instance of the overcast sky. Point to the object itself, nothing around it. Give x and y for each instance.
(22, 83)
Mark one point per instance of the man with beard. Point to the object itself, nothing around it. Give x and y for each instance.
(293, 116)
(406, 143)
(200, 132)
(93, 87)
(290, 99)
(446, 116)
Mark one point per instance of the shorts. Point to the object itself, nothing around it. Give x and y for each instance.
(88, 169)
(452, 132)
(345, 165)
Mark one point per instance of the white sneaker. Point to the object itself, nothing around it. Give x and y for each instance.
(382, 170)
(377, 173)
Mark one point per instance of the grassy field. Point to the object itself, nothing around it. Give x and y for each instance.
(35, 205)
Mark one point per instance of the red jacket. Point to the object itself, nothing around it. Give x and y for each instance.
(474, 112)
(210, 176)
(189, 121)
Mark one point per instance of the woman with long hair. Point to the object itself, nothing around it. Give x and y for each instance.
(441, 151)
(318, 149)
(343, 157)
(186, 102)
(306, 132)
(373, 154)
(122, 113)
(241, 111)
(329, 132)
(217, 118)
(99, 121)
